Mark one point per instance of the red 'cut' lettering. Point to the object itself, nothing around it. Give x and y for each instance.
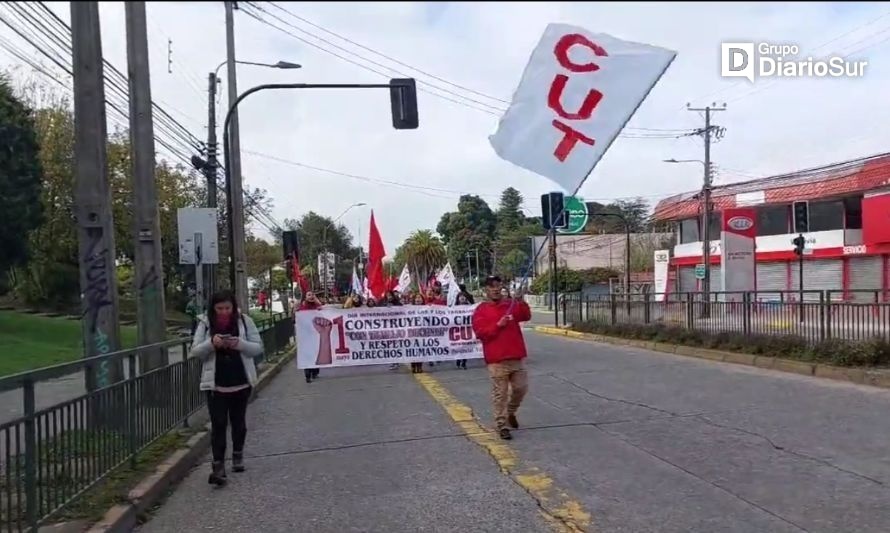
(561, 51)
(570, 138)
(554, 100)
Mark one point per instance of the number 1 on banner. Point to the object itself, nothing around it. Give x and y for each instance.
(341, 336)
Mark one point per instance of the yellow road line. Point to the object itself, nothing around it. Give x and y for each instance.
(564, 513)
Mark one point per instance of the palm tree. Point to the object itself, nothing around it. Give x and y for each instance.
(424, 252)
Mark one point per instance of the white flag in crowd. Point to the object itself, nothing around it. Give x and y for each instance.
(446, 275)
(404, 280)
(366, 292)
(356, 282)
(453, 291)
(578, 91)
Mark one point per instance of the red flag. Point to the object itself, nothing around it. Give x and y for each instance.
(376, 278)
(297, 275)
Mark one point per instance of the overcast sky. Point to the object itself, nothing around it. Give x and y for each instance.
(415, 176)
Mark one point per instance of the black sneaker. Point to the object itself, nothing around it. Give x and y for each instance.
(505, 434)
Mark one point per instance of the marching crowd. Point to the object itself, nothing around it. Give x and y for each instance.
(227, 341)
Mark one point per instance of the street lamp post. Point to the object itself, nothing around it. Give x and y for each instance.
(324, 242)
(403, 100)
(705, 232)
(210, 166)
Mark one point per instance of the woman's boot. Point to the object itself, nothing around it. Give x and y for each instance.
(218, 474)
(238, 461)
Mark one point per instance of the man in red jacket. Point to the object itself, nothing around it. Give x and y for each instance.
(496, 324)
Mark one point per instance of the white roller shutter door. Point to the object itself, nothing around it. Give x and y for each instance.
(772, 279)
(818, 275)
(865, 275)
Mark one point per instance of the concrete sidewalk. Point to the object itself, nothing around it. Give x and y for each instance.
(359, 450)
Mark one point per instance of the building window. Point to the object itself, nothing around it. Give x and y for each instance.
(773, 220)
(853, 212)
(689, 231)
(826, 215)
(716, 225)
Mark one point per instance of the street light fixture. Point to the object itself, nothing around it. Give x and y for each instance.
(324, 242)
(403, 102)
(210, 165)
(705, 233)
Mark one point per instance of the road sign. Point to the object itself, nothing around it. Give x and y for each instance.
(192, 221)
(578, 215)
(700, 271)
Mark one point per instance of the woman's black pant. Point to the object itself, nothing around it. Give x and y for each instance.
(227, 408)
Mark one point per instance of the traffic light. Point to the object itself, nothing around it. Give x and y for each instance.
(553, 214)
(291, 247)
(801, 217)
(403, 98)
(799, 242)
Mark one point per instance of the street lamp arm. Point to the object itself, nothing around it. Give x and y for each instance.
(226, 148)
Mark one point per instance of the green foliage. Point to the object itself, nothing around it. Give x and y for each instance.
(424, 254)
(316, 233)
(261, 256)
(468, 231)
(21, 176)
(573, 280)
(870, 353)
(635, 211)
(51, 276)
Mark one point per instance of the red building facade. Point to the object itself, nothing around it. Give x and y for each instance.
(848, 242)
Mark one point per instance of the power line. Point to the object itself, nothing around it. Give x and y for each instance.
(402, 63)
(180, 134)
(394, 60)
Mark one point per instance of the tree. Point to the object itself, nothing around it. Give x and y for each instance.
(261, 256)
(51, 276)
(509, 215)
(21, 178)
(635, 211)
(469, 230)
(315, 233)
(424, 254)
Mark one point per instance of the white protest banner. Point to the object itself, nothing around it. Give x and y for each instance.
(385, 335)
(578, 91)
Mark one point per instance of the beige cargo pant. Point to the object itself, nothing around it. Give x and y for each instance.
(509, 383)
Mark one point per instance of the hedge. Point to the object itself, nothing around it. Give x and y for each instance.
(872, 352)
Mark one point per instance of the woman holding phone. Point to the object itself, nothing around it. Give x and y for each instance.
(226, 341)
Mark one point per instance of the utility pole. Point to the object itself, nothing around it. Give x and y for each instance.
(706, 207)
(470, 267)
(236, 194)
(92, 198)
(149, 271)
(210, 169)
(554, 287)
(478, 272)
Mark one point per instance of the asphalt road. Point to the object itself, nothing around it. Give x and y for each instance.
(627, 440)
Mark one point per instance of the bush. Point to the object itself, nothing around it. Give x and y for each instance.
(838, 352)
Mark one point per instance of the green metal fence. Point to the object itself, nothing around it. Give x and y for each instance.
(49, 457)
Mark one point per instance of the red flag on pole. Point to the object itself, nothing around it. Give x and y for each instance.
(376, 252)
(298, 275)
